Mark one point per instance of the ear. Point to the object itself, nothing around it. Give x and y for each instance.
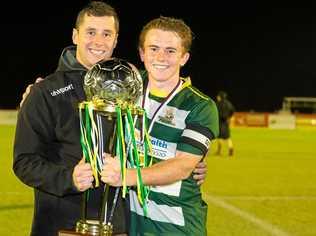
(184, 58)
(141, 54)
(75, 36)
(115, 41)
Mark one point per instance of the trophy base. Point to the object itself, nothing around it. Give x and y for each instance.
(94, 228)
(70, 233)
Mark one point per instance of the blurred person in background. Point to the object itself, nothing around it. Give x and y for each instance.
(226, 111)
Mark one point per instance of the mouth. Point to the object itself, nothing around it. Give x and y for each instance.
(97, 52)
(160, 66)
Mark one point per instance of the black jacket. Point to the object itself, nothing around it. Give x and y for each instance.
(47, 147)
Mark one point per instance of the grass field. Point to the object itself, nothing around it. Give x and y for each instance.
(267, 188)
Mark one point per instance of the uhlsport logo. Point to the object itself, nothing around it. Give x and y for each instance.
(62, 90)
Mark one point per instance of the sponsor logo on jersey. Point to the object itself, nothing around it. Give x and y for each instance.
(159, 143)
(62, 90)
(168, 117)
(160, 148)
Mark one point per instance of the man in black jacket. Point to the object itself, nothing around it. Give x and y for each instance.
(47, 150)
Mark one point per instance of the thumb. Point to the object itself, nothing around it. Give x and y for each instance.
(106, 156)
(82, 161)
(39, 79)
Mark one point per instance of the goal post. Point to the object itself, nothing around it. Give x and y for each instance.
(299, 104)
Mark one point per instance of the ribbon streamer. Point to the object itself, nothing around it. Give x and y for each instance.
(132, 152)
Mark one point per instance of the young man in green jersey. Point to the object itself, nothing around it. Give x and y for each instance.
(182, 122)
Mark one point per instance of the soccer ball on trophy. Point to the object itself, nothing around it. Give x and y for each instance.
(112, 82)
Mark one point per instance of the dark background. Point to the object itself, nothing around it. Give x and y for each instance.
(259, 52)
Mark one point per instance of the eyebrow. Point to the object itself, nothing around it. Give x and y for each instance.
(156, 46)
(106, 30)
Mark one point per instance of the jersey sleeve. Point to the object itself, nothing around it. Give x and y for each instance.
(201, 127)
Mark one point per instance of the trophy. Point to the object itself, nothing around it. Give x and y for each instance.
(114, 91)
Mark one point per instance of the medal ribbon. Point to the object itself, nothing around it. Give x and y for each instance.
(162, 104)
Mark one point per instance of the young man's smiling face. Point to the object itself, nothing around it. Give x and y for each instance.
(163, 55)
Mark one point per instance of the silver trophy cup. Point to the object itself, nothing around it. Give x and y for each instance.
(108, 84)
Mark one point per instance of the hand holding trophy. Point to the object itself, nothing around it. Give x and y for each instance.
(113, 90)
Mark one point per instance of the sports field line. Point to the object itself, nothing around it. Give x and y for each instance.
(267, 227)
(272, 198)
(223, 197)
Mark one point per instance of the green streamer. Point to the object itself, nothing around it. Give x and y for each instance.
(141, 189)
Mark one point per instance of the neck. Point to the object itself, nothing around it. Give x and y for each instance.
(161, 88)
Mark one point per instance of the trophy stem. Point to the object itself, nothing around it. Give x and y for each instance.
(104, 205)
(84, 206)
(103, 226)
(117, 191)
(112, 140)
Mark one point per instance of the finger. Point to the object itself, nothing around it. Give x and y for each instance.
(202, 164)
(108, 160)
(39, 79)
(84, 180)
(28, 89)
(84, 173)
(199, 176)
(199, 170)
(82, 170)
(87, 179)
(83, 183)
(26, 93)
(106, 156)
(21, 103)
(82, 161)
(84, 186)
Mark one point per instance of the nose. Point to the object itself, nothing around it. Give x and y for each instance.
(160, 55)
(99, 39)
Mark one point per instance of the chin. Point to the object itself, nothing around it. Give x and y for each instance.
(162, 77)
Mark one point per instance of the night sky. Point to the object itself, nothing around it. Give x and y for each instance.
(257, 51)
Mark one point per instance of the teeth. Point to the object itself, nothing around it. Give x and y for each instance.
(160, 66)
(97, 52)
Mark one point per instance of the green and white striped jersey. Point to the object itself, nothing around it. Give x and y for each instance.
(188, 121)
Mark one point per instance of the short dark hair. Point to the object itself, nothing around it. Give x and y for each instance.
(97, 8)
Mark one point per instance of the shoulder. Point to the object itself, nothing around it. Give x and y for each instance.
(48, 91)
(55, 81)
(203, 110)
(194, 95)
(198, 103)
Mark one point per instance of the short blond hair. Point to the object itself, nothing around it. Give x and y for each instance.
(168, 24)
